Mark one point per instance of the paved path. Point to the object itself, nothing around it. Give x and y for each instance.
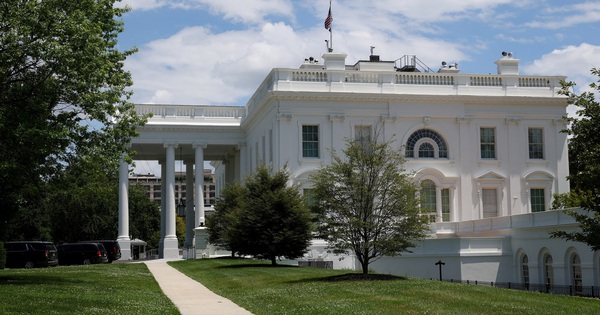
(189, 295)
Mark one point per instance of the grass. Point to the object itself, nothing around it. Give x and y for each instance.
(96, 289)
(263, 289)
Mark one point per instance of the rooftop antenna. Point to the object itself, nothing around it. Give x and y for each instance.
(372, 47)
(327, 24)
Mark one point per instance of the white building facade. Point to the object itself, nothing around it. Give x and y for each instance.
(486, 149)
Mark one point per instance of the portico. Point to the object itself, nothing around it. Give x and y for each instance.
(192, 134)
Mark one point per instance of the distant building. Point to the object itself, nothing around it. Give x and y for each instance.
(152, 184)
(486, 149)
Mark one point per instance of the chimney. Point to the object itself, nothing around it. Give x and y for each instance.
(508, 65)
(335, 61)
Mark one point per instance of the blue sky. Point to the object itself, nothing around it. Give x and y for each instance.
(218, 51)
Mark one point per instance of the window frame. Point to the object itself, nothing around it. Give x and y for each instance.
(535, 150)
(422, 135)
(316, 142)
(493, 143)
(534, 205)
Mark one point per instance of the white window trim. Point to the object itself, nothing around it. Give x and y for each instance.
(301, 157)
(436, 149)
(496, 151)
(544, 144)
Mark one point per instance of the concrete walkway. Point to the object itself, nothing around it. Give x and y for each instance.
(189, 295)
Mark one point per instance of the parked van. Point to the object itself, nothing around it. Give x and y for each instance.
(81, 254)
(30, 254)
(113, 250)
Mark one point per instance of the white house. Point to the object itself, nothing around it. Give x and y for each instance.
(487, 150)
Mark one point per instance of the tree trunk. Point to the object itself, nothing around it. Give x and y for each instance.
(365, 267)
(274, 260)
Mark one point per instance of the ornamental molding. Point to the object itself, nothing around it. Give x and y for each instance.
(512, 121)
(281, 117)
(464, 120)
(337, 117)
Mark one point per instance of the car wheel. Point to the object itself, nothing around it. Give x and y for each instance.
(87, 261)
(29, 265)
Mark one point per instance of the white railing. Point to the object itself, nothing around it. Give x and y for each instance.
(193, 112)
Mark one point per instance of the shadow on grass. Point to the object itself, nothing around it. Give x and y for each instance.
(249, 265)
(353, 277)
(20, 280)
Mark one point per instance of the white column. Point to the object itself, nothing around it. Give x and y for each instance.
(123, 233)
(171, 247)
(199, 183)
(163, 207)
(190, 192)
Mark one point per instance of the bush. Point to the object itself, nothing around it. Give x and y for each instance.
(2, 256)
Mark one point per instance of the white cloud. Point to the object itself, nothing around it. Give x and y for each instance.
(573, 61)
(246, 11)
(566, 16)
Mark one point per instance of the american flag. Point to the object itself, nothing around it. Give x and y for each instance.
(329, 18)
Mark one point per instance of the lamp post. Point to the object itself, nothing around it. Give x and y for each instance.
(440, 264)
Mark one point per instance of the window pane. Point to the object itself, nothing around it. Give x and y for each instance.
(487, 141)
(536, 143)
(426, 150)
(490, 202)
(538, 202)
(428, 199)
(426, 133)
(446, 205)
(310, 141)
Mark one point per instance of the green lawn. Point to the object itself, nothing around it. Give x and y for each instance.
(263, 289)
(97, 289)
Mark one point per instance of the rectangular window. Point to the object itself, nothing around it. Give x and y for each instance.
(536, 143)
(445, 205)
(487, 141)
(309, 196)
(538, 202)
(310, 141)
(362, 135)
(489, 197)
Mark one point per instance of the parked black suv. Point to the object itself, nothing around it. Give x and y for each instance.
(113, 250)
(30, 254)
(81, 254)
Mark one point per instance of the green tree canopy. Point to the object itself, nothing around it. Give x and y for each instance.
(367, 203)
(63, 93)
(584, 164)
(265, 218)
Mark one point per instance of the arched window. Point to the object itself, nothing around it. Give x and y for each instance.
(548, 272)
(576, 280)
(431, 142)
(525, 271)
(426, 150)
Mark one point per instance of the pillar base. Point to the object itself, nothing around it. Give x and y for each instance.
(201, 240)
(170, 248)
(125, 245)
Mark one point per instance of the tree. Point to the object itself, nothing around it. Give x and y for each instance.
(267, 219)
(63, 93)
(221, 225)
(584, 164)
(367, 203)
